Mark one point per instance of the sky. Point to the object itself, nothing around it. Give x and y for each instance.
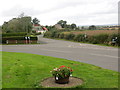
(49, 12)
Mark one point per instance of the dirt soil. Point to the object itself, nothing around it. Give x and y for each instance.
(50, 82)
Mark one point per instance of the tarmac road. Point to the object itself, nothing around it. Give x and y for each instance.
(106, 57)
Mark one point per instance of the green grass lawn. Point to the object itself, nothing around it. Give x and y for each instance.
(23, 70)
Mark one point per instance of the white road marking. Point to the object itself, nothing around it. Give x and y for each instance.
(105, 55)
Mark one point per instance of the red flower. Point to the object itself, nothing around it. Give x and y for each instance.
(62, 66)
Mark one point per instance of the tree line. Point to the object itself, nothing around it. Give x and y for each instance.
(24, 24)
(20, 24)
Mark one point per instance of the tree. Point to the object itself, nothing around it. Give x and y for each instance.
(62, 23)
(73, 26)
(22, 24)
(35, 21)
(5, 27)
(68, 26)
(92, 27)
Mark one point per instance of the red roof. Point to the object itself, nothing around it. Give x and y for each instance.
(44, 28)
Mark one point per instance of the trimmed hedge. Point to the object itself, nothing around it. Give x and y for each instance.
(13, 34)
(99, 39)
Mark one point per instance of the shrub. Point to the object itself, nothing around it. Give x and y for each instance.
(79, 37)
(52, 34)
(38, 33)
(61, 35)
(100, 39)
(47, 34)
(69, 36)
(13, 34)
(57, 35)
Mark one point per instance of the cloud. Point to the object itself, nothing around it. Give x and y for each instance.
(74, 11)
(17, 10)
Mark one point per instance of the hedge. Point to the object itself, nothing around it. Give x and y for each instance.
(94, 39)
(13, 34)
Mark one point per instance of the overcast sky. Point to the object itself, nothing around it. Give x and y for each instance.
(49, 12)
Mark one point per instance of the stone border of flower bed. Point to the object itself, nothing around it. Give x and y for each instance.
(50, 82)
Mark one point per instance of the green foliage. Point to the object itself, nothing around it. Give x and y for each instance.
(73, 26)
(62, 72)
(69, 36)
(61, 35)
(62, 23)
(22, 24)
(94, 39)
(38, 33)
(47, 34)
(14, 34)
(99, 39)
(92, 27)
(35, 21)
(79, 37)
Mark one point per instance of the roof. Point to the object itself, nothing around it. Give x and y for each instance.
(44, 28)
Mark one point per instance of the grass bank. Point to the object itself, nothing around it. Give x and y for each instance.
(23, 70)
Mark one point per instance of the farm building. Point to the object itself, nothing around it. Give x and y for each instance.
(39, 29)
(58, 26)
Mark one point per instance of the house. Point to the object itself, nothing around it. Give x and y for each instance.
(39, 29)
(58, 26)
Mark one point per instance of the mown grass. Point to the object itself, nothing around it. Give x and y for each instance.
(23, 70)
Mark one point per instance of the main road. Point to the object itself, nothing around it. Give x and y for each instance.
(106, 57)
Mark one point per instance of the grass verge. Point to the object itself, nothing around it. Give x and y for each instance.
(23, 70)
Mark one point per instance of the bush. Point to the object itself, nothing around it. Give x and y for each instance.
(14, 34)
(57, 35)
(47, 34)
(100, 39)
(69, 36)
(52, 34)
(38, 33)
(79, 37)
(61, 35)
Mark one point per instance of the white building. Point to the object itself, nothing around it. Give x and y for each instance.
(38, 28)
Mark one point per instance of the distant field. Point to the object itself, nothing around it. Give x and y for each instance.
(93, 32)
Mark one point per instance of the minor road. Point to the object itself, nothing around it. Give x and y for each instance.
(106, 57)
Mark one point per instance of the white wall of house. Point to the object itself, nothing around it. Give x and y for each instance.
(38, 29)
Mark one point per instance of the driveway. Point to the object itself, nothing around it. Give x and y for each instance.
(106, 57)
